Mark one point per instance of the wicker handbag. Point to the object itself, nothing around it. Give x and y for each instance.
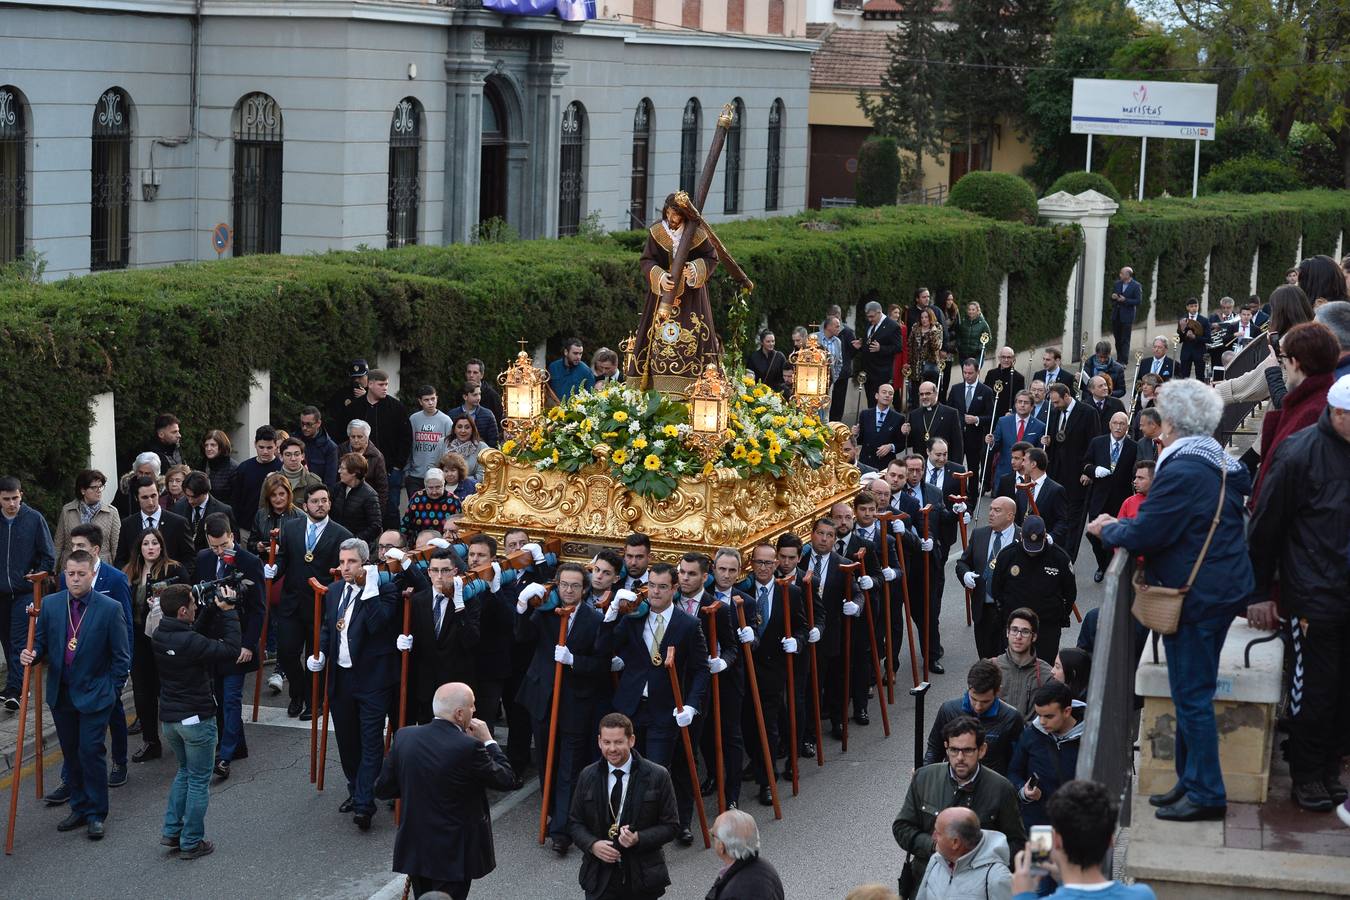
(1159, 608)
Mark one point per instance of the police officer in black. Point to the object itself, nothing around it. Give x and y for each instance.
(1038, 575)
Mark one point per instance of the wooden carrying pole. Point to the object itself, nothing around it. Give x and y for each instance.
(38, 579)
(688, 747)
(28, 671)
(759, 714)
(904, 597)
(927, 630)
(876, 660)
(563, 613)
(885, 519)
(715, 653)
(784, 591)
(403, 683)
(319, 590)
(815, 672)
(262, 638)
(850, 571)
(964, 497)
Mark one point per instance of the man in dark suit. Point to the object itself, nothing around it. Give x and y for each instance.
(776, 642)
(623, 813)
(735, 840)
(1149, 444)
(580, 684)
(441, 771)
(445, 628)
(916, 494)
(878, 429)
(975, 568)
(496, 633)
(821, 563)
(931, 419)
(1006, 374)
(222, 557)
(82, 634)
(1109, 473)
(850, 545)
(1053, 371)
(1049, 497)
(1101, 402)
(1018, 425)
(1159, 363)
(1126, 295)
(1072, 427)
(1101, 363)
(307, 548)
(1007, 484)
(877, 345)
(974, 403)
(1193, 333)
(731, 681)
(358, 647)
(177, 538)
(197, 504)
(839, 391)
(1041, 407)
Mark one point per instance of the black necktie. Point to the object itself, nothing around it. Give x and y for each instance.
(616, 796)
(149, 523)
(440, 612)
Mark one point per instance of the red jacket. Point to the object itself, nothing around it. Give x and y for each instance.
(1300, 409)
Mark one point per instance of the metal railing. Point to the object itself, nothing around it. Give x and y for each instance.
(1235, 414)
(1106, 752)
(931, 196)
(837, 202)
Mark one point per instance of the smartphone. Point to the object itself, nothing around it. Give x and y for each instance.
(1034, 781)
(1039, 843)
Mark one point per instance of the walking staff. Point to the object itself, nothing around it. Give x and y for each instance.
(989, 445)
(783, 592)
(28, 680)
(319, 589)
(267, 609)
(564, 613)
(850, 570)
(809, 579)
(714, 652)
(872, 640)
(886, 518)
(963, 478)
(688, 747)
(927, 634)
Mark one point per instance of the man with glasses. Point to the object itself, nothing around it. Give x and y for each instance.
(959, 781)
(1023, 671)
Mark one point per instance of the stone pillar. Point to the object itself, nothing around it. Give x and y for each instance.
(1204, 291)
(103, 437)
(1340, 242)
(541, 355)
(465, 69)
(1092, 212)
(1153, 299)
(253, 413)
(1298, 254)
(545, 76)
(391, 361)
(1256, 261)
(1002, 337)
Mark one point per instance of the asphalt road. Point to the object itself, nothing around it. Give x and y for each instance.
(276, 836)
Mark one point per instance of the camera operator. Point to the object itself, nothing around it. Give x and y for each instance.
(191, 642)
(224, 557)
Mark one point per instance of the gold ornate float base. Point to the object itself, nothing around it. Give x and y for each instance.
(590, 510)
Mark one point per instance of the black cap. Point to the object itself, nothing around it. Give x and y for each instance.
(1033, 534)
(358, 369)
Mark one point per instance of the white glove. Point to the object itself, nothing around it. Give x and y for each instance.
(1050, 538)
(898, 526)
(926, 545)
(521, 605)
(965, 517)
(496, 584)
(959, 508)
(535, 551)
(530, 592)
(851, 608)
(616, 664)
(403, 642)
(866, 582)
(685, 716)
(438, 543)
(393, 554)
(1101, 472)
(745, 635)
(624, 595)
(968, 580)
(789, 645)
(813, 635)
(563, 655)
(315, 665)
(889, 574)
(716, 664)
(459, 595)
(269, 570)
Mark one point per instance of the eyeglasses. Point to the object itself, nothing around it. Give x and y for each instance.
(1021, 632)
(962, 751)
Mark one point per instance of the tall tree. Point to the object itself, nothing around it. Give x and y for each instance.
(909, 106)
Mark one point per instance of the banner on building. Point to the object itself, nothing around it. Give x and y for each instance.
(568, 10)
(1161, 109)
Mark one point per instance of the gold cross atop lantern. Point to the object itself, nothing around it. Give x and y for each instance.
(522, 394)
(810, 375)
(709, 408)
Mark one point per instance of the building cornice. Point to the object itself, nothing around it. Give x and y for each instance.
(368, 10)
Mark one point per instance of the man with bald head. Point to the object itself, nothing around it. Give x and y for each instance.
(967, 861)
(1108, 474)
(931, 419)
(735, 840)
(1005, 373)
(975, 568)
(441, 771)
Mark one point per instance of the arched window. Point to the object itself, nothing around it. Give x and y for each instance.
(689, 131)
(774, 163)
(405, 147)
(257, 175)
(110, 182)
(13, 176)
(571, 172)
(731, 201)
(640, 191)
(492, 180)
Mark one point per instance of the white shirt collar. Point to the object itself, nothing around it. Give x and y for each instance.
(1008, 533)
(1040, 481)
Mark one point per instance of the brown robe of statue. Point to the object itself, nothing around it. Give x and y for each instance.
(671, 346)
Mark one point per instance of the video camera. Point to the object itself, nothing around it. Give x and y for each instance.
(207, 591)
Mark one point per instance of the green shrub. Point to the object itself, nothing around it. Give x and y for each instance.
(186, 338)
(1077, 182)
(998, 195)
(878, 172)
(1314, 156)
(1234, 139)
(1250, 175)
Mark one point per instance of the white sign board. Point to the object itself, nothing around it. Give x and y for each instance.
(1162, 109)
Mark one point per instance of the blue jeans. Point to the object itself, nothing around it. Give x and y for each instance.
(14, 628)
(1192, 675)
(81, 736)
(195, 748)
(230, 697)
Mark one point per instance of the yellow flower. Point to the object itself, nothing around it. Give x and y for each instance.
(729, 433)
(609, 435)
(738, 452)
(748, 380)
(619, 457)
(708, 468)
(639, 443)
(754, 457)
(671, 431)
(754, 443)
(793, 434)
(779, 421)
(758, 410)
(808, 432)
(585, 424)
(509, 447)
(771, 437)
(760, 390)
(652, 462)
(620, 416)
(555, 455)
(746, 398)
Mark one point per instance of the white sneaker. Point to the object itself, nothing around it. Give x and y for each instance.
(1343, 811)
(275, 682)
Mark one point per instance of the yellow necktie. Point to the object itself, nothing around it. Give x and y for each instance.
(658, 635)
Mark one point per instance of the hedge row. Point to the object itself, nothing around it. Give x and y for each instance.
(185, 338)
(1178, 234)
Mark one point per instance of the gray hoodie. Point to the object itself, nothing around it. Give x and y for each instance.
(982, 874)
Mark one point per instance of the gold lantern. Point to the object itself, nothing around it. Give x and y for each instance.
(709, 408)
(522, 395)
(811, 375)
